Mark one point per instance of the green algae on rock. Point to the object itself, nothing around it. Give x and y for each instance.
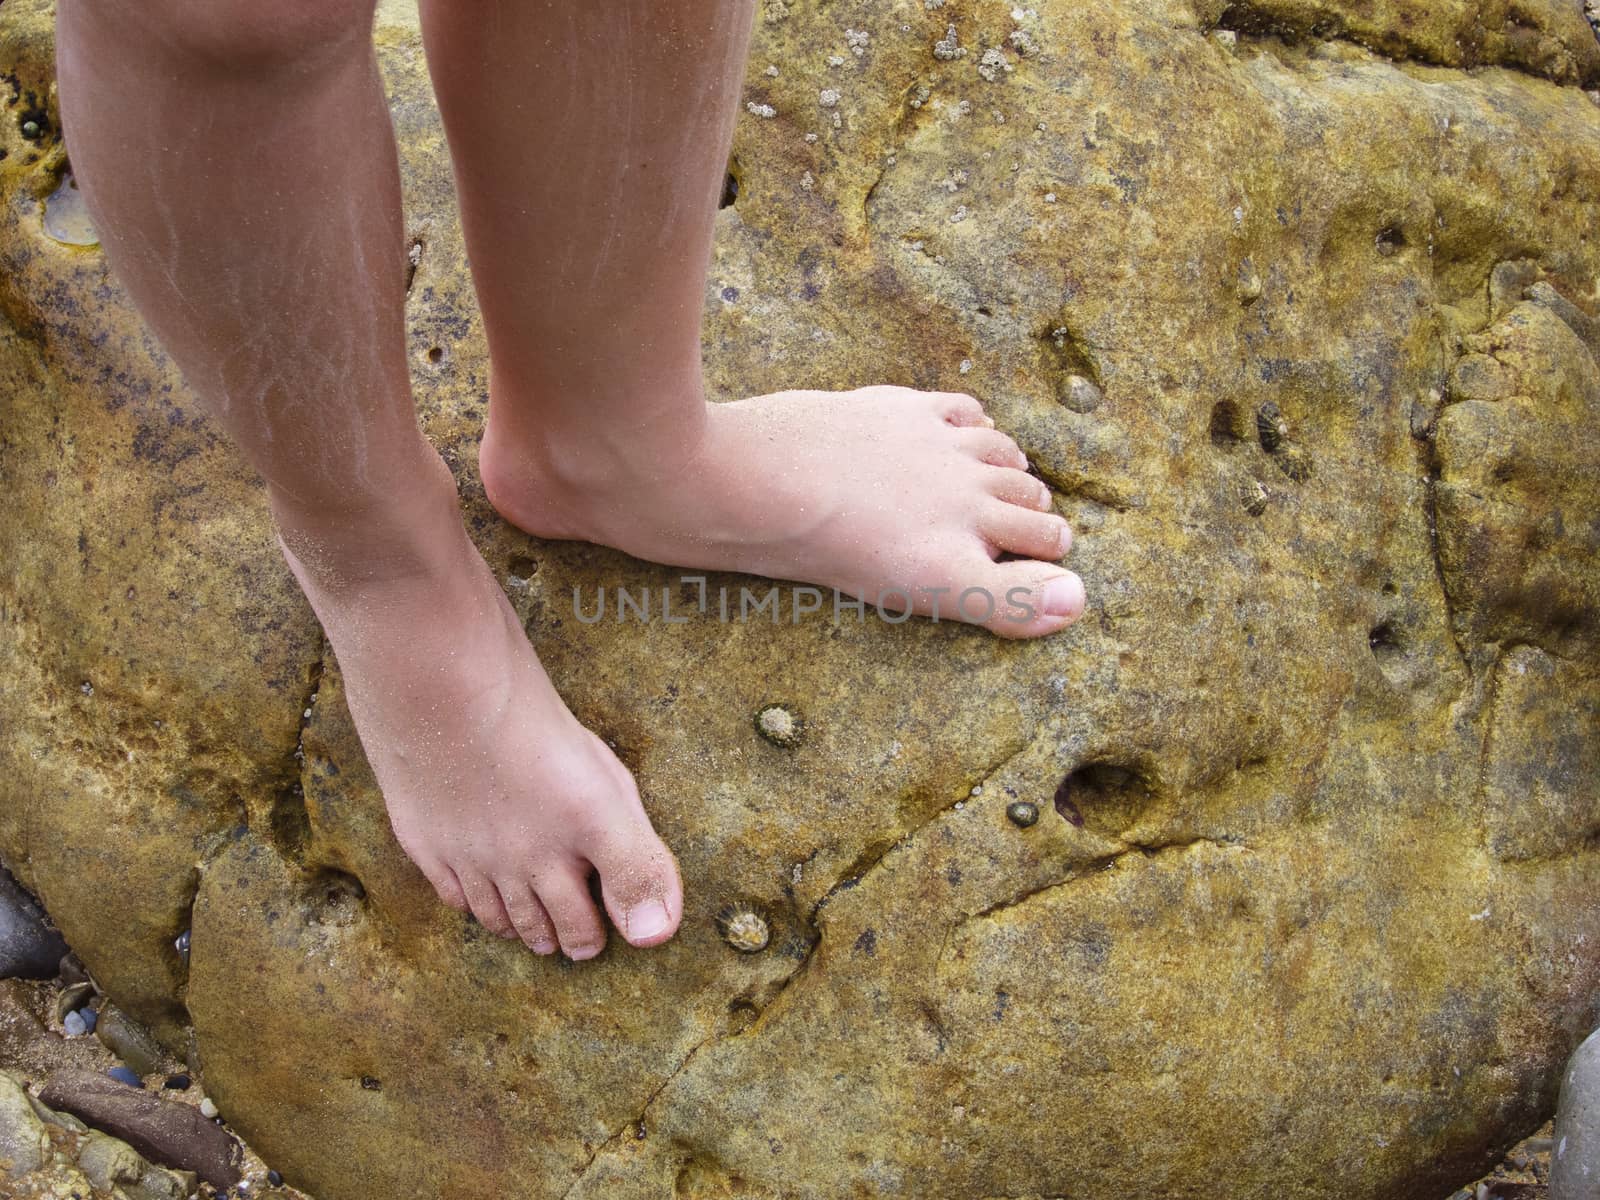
(1315, 916)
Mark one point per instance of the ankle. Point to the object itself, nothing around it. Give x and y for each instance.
(551, 451)
(344, 542)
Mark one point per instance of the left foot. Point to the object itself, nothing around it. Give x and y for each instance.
(910, 500)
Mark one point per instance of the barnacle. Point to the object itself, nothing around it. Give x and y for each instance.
(780, 726)
(1271, 428)
(743, 928)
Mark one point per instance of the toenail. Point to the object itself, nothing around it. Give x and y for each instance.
(543, 946)
(1063, 596)
(646, 920)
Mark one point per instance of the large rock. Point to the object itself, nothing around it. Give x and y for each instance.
(1313, 908)
(29, 948)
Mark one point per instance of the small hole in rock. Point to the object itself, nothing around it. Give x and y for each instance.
(371, 1084)
(730, 191)
(1225, 424)
(435, 354)
(1390, 242)
(1105, 797)
(1385, 640)
(333, 898)
(523, 567)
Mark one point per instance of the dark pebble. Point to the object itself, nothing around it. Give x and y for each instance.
(177, 1083)
(90, 1019)
(274, 1179)
(123, 1075)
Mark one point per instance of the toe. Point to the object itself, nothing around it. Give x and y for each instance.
(448, 886)
(565, 895)
(484, 899)
(533, 924)
(1017, 530)
(1017, 487)
(958, 408)
(1033, 599)
(993, 447)
(639, 881)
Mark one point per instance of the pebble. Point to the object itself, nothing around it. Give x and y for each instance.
(90, 1019)
(1575, 1159)
(73, 1024)
(29, 948)
(124, 1075)
(72, 998)
(274, 1179)
(208, 1109)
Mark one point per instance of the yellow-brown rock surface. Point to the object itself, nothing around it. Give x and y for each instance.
(1313, 905)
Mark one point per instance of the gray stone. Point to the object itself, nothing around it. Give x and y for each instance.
(1575, 1158)
(128, 1040)
(29, 948)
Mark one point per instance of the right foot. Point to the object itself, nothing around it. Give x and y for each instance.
(494, 789)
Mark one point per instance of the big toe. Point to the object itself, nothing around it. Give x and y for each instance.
(639, 884)
(1031, 599)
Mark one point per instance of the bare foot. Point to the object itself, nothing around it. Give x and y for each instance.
(883, 493)
(497, 793)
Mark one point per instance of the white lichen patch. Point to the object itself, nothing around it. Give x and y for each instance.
(857, 40)
(949, 48)
(1022, 42)
(992, 65)
(761, 110)
(828, 97)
